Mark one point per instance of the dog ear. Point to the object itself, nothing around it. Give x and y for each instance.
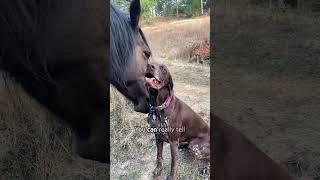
(135, 10)
(170, 83)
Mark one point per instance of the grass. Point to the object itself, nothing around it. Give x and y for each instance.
(133, 150)
(34, 144)
(170, 39)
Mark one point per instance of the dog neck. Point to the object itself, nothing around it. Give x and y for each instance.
(163, 100)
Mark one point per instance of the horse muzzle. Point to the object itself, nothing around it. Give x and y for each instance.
(142, 105)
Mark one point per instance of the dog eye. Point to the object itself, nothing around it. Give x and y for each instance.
(163, 69)
(147, 54)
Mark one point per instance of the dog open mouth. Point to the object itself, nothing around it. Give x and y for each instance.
(153, 81)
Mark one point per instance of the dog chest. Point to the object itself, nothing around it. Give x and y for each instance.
(160, 126)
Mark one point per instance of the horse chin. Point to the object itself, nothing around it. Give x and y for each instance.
(142, 106)
(93, 150)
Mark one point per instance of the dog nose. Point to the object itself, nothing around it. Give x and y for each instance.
(151, 66)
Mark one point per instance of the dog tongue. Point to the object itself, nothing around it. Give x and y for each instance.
(152, 81)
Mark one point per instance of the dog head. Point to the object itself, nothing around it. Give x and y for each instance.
(159, 83)
(158, 76)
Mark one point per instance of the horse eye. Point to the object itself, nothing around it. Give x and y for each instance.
(147, 54)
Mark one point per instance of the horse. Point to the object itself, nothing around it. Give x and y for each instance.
(129, 47)
(59, 52)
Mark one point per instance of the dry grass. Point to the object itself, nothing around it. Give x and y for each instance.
(267, 75)
(133, 150)
(169, 39)
(34, 144)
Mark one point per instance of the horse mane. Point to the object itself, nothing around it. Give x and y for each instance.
(23, 33)
(121, 44)
(22, 53)
(23, 40)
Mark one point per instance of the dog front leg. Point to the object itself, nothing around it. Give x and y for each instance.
(174, 148)
(158, 169)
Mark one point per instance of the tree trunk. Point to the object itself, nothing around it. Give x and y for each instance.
(177, 8)
(165, 9)
(201, 7)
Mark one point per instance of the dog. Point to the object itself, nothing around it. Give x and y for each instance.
(172, 120)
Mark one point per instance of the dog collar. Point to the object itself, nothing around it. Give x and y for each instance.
(166, 103)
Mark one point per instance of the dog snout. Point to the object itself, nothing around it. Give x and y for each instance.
(151, 66)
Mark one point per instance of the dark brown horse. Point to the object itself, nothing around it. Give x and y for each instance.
(59, 51)
(130, 54)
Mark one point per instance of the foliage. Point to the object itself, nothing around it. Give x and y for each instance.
(148, 10)
(152, 8)
(194, 7)
(165, 7)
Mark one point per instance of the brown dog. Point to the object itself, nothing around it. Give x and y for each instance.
(172, 120)
(236, 158)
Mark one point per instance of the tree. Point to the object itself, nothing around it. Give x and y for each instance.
(148, 10)
(177, 4)
(152, 8)
(201, 7)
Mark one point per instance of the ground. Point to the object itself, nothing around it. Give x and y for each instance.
(266, 82)
(133, 150)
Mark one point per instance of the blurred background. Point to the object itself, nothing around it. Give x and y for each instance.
(266, 80)
(164, 8)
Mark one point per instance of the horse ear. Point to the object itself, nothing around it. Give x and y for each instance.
(135, 10)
